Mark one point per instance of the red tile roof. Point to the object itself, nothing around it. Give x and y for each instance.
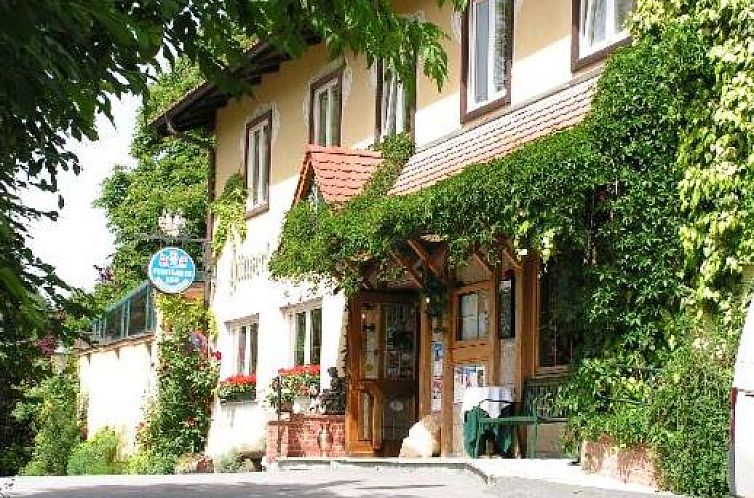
(497, 137)
(340, 173)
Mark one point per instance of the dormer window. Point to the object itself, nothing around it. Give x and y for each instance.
(599, 26)
(488, 52)
(258, 140)
(325, 112)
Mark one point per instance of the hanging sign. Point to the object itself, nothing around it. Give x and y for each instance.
(172, 270)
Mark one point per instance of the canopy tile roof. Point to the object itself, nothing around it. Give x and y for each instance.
(339, 173)
(498, 137)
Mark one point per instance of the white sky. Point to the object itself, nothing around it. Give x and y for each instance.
(80, 238)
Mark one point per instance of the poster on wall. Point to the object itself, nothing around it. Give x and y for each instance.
(437, 356)
(465, 376)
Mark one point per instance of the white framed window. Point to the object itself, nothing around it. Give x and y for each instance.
(258, 161)
(307, 336)
(246, 338)
(489, 49)
(393, 103)
(602, 23)
(326, 111)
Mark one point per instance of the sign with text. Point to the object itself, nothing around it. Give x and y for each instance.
(172, 270)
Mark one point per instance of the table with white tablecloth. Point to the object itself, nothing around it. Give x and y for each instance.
(492, 399)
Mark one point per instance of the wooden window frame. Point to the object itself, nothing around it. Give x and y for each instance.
(467, 112)
(336, 76)
(379, 93)
(265, 118)
(489, 287)
(577, 61)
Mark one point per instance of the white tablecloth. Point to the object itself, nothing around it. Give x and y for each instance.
(474, 396)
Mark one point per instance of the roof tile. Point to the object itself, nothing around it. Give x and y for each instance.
(340, 173)
(497, 137)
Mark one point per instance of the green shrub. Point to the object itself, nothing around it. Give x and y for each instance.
(147, 463)
(690, 416)
(229, 462)
(95, 456)
(52, 410)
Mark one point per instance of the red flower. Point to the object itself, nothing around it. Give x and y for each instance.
(217, 355)
(300, 370)
(240, 380)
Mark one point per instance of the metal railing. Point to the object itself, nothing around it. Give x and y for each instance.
(133, 315)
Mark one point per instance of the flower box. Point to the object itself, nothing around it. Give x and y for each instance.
(294, 383)
(237, 388)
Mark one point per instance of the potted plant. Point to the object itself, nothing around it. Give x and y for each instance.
(297, 386)
(238, 388)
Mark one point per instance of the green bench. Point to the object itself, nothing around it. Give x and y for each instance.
(538, 407)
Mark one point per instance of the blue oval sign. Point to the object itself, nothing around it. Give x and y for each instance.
(172, 270)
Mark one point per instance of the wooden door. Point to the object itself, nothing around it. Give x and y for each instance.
(383, 397)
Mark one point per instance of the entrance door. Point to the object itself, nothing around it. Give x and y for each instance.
(384, 370)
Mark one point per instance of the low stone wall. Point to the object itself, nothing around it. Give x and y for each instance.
(604, 457)
(299, 436)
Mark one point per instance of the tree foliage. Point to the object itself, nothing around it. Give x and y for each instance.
(52, 408)
(65, 60)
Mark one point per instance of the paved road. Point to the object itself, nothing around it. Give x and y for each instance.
(305, 483)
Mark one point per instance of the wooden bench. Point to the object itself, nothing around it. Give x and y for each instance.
(538, 407)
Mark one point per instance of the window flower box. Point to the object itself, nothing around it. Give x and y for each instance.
(237, 388)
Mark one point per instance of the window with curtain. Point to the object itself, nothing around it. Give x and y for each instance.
(602, 23)
(326, 112)
(394, 103)
(489, 48)
(307, 337)
(258, 161)
(247, 340)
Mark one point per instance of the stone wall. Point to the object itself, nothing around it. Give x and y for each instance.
(604, 457)
(298, 436)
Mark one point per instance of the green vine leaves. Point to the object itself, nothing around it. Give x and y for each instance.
(715, 152)
(229, 211)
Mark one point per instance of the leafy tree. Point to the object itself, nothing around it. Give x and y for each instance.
(53, 411)
(63, 61)
(170, 174)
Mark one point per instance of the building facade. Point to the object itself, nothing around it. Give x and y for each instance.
(517, 70)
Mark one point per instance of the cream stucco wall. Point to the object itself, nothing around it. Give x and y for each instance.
(117, 381)
(541, 62)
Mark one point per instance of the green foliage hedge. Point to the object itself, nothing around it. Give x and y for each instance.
(52, 409)
(96, 456)
(689, 414)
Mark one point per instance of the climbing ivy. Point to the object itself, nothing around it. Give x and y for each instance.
(716, 151)
(178, 420)
(229, 210)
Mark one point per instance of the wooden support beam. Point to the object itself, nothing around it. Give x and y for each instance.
(482, 261)
(409, 267)
(516, 264)
(430, 261)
